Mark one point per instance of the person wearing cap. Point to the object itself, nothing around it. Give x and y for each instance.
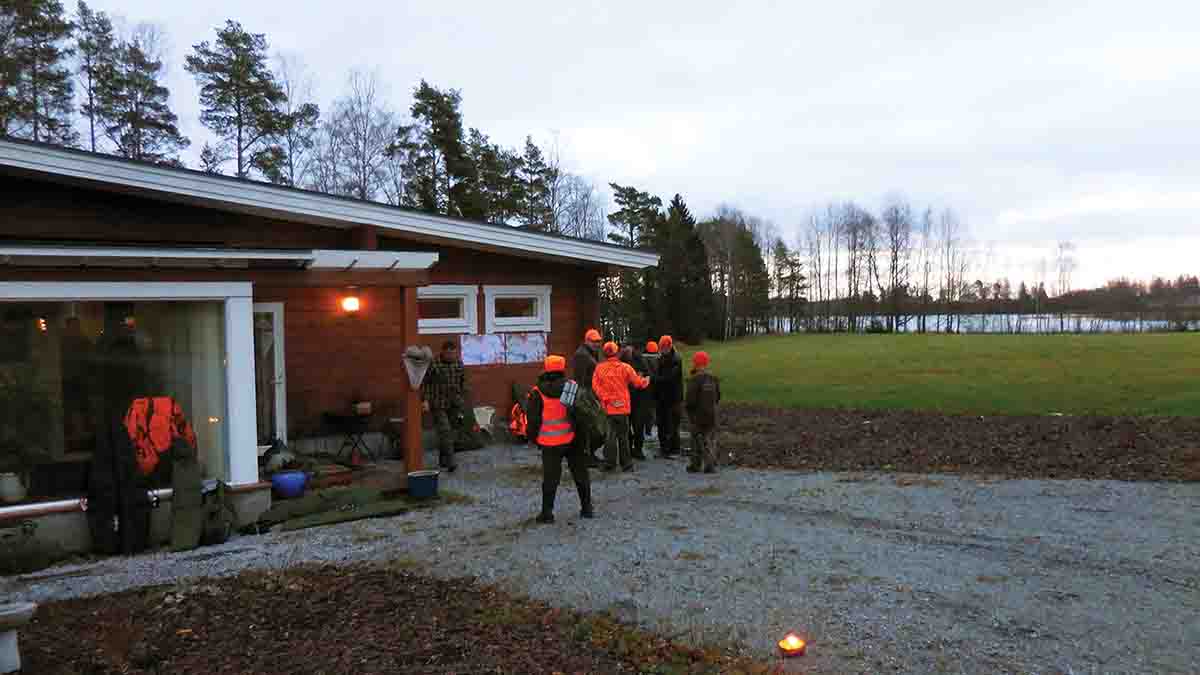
(650, 357)
(703, 395)
(583, 366)
(551, 425)
(641, 400)
(445, 393)
(611, 382)
(668, 393)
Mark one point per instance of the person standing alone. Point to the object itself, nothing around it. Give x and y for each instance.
(611, 383)
(703, 395)
(553, 427)
(668, 392)
(445, 393)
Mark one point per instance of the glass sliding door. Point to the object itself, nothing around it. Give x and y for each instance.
(270, 381)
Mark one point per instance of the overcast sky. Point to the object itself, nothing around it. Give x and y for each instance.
(1075, 122)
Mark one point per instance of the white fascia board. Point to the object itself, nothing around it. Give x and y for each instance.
(66, 291)
(323, 209)
(372, 260)
(152, 253)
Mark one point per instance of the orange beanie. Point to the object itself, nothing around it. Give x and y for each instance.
(700, 360)
(555, 364)
(652, 347)
(592, 335)
(665, 342)
(611, 349)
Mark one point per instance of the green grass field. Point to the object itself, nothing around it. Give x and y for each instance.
(974, 374)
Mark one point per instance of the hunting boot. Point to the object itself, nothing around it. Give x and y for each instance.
(585, 498)
(547, 514)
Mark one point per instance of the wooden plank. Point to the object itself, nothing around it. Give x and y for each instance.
(414, 454)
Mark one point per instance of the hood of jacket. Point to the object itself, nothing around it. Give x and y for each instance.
(551, 384)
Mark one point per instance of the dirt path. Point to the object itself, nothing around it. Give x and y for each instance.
(883, 572)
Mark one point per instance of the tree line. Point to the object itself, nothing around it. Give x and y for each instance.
(724, 276)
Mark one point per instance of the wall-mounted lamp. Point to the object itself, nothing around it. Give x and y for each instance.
(351, 304)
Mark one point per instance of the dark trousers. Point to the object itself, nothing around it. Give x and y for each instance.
(552, 459)
(640, 420)
(668, 427)
(616, 450)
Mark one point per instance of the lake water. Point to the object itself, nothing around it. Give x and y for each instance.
(1019, 323)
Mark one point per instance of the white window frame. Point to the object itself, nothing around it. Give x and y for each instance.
(539, 323)
(468, 324)
(241, 441)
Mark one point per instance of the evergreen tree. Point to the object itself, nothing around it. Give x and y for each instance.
(495, 191)
(36, 90)
(96, 48)
(239, 95)
(684, 283)
(212, 157)
(438, 169)
(634, 223)
(134, 106)
(535, 179)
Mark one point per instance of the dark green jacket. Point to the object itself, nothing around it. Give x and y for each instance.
(703, 395)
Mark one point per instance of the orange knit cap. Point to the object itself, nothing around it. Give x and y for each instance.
(652, 347)
(700, 360)
(611, 349)
(555, 364)
(592, 335)
(665, 342)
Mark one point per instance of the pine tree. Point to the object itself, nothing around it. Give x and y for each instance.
(535, 177)
(134, 106)
(36, 92)
(438, 168)
(496, 192)
(96, 48)
(212, 157)
(239, 95)
(684, 284)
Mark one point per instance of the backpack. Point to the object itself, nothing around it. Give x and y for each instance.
(590, 419)
(220, 515)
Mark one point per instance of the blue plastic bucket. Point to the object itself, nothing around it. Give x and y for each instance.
(423, 484)
(289, 484)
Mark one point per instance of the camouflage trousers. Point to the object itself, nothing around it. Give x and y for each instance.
(704, 450)
(446, 422)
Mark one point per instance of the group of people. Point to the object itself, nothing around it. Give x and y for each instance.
(638, 389)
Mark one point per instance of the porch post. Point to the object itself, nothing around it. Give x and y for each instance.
(240, 420)
(414, 454)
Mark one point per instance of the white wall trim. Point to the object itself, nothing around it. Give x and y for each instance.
(275, 309)
(540, 323)
(243, 196)
(468, 324)
(66, 291)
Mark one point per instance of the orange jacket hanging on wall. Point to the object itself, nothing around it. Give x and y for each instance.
(153, 425)
(612, 381)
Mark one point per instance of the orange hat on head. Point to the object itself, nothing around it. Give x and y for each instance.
(665, 342)
(700, 360)
(611, 349)
(555, 364)
(592, 335)
(652, 347)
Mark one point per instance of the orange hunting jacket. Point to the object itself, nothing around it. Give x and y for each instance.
(612, 381)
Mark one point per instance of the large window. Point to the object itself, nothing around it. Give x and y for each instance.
(447, 310)
(517, 309)
(69, 372)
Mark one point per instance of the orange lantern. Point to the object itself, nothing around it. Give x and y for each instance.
(792, 645)
(351, 304)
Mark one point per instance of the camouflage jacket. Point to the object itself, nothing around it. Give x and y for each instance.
(445, 385)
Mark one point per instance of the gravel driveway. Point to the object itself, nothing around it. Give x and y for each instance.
(882, 572)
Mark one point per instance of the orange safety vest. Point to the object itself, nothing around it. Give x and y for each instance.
(556, 426)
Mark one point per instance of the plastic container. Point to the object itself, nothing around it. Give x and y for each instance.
(423, 484)
(289, 484)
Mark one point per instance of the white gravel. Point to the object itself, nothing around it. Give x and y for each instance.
(881, 572)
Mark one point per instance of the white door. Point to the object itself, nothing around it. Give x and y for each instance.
(270, 379)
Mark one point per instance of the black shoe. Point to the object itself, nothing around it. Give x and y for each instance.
(587, 513)
(452, 469)
(711, 469)
(545, 518)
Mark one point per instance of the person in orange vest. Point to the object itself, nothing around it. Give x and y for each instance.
(551, 425)
(611, 382)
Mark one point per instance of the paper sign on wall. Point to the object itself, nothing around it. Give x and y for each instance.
(524, 348)
(482, 350)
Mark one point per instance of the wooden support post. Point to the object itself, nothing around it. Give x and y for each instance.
(414, 454)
